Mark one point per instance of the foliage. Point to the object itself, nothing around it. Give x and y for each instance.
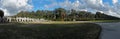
(1, 13)
(60, 14)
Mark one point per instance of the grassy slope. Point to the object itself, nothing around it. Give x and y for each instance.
(49, 31)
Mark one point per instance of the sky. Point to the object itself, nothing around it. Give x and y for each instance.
(12, 7)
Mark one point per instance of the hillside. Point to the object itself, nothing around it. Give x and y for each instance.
(60, 14)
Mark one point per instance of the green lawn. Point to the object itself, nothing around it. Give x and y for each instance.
(106, 21)
(49, 31)
(72, 22)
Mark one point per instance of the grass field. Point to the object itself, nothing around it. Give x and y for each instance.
(72, 22)
(104, 21)
(49, 31)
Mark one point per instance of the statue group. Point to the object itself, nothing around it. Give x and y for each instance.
(1, 16)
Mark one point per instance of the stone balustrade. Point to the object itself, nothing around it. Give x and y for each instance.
(23, 19)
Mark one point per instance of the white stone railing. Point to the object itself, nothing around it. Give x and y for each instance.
(24, 19)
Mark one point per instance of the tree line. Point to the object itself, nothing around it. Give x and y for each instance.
(61, 14)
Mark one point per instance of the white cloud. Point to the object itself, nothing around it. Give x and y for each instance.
(91, 5)
(51, 5)
(115, 1)
(12, 7)
(5, 12)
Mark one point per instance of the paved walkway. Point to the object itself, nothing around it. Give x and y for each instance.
(110, 30)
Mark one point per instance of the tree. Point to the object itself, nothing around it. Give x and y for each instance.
(1, 13)
(73, 13)
(98, 15)
(102, 16)
(64, 15)
(60, 13)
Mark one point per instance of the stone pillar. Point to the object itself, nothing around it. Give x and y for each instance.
(9, 19)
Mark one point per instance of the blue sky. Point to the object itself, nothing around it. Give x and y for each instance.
(12, 7)
(39, 4)
(108, 1)
(110, 7)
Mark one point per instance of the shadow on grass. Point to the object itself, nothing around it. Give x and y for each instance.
(50, 31)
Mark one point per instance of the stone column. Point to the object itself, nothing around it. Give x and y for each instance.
(9, 19)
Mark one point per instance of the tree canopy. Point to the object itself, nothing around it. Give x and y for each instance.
(61, 14)
(1, 13)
